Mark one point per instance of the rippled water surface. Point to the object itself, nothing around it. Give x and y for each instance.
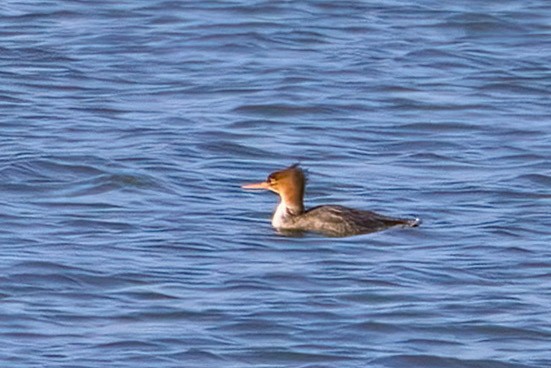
(127, 127)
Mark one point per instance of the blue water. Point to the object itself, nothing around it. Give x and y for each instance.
(127, 127)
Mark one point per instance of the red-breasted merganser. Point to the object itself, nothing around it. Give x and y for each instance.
(330, 220)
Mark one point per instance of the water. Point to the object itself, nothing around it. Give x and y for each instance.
(127, 128)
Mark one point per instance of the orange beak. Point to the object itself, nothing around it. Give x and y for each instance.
(262, 185)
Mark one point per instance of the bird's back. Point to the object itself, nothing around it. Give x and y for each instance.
(336, 220)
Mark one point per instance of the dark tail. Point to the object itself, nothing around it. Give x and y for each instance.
(413, 222)
(393, 221)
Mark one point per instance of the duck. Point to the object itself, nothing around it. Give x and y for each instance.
(291, 217)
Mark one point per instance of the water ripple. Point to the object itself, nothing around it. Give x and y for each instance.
(128, 128)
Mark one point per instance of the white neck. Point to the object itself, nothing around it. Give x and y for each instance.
(279, 215)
